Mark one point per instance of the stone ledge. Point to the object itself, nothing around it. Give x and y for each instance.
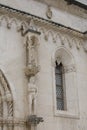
(31, 71)
(66, 114)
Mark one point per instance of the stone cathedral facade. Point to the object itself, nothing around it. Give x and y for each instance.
(43, 64)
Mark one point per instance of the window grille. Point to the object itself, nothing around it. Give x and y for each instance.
(59, 86)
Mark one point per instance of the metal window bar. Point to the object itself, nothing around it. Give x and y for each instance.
(59, 86)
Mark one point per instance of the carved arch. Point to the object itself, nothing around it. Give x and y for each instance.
(6, 101)
(24, 24)
(65, 56)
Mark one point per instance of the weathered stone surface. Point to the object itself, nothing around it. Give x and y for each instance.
(27, 66)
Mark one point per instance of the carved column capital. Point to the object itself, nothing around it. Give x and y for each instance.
(31, 70)
(69, 68)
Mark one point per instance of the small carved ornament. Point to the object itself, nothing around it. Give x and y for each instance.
(33, 119)
(49, 13)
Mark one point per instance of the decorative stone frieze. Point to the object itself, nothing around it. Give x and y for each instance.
(15, 121)
(46, 28)
(19, 19)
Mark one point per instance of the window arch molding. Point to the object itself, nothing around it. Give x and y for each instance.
(61, 54)
(64, 56)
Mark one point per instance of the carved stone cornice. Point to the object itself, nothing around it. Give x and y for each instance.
(25, 18)
(46, 27)
(64, 35)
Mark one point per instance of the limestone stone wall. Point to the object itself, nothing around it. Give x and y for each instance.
(46, 104)
(27, 60)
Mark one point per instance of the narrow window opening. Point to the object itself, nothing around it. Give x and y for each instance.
(59, 86)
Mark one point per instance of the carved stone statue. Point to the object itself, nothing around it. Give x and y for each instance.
(31, 43)
(31, 56)
(32, 96)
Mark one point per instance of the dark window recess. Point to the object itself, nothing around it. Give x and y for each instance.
(59, 86)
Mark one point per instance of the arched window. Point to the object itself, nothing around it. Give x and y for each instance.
(59, 86)
(65, 84)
